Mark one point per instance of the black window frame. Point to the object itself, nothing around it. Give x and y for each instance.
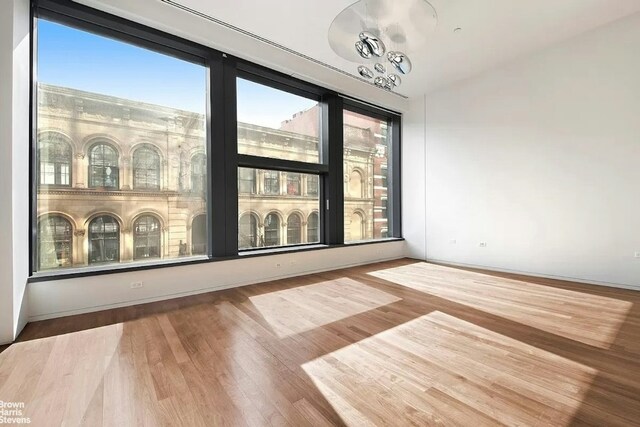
(221, 147)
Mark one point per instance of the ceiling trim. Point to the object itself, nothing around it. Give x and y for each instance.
(271, 43)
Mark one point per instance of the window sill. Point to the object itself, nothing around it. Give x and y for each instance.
(71, 273)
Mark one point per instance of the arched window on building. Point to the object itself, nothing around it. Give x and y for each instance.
(199, 173)
(294, 229)
(54, 161)
(55, 238)
(104, 240)
(293, 184)
(272, 230)
(357, 226)
(271, 182)
(355, 184)
(199, 235)
(103, 166)
(146, 168)
(248, 231)
(312, 228)
(146, 237)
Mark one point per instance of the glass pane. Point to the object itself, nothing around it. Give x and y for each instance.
(272, 216)
(366, 188)
(122, 129)
(277, 124)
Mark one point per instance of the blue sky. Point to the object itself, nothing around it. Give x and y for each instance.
(80, 60)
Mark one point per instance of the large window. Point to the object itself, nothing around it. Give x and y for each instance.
(54, 160)
(54, 242)
(280, 145)
(366, 161)
(277, 124)
(128, 146)
(275, 211)
(146, 168)
(104, 240)
(139, 156)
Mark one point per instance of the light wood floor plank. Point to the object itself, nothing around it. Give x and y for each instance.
(395, 343)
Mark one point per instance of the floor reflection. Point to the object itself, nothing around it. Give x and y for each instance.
(303, 308)
(584, 317)
(440, 369)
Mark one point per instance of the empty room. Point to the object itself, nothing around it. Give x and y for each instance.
(320, 213)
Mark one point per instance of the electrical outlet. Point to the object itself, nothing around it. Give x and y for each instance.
(278, 265)
(636, 255)
(453, 241)
(483, 244)
(136, 285)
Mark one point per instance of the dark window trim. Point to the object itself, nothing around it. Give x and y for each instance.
(257, 162)
(223, 159)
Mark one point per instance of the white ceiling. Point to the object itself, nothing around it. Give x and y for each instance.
(493, 31)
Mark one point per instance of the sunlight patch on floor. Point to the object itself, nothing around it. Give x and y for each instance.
(301, 309)
(72, 364)
(584, 317)
(440, 369)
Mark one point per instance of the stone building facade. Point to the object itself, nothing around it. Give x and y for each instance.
(122, 181)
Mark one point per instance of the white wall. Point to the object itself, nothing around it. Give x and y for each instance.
(14, 158)
(72, 296)
(540, 159)
(6, 92)
(413, 178)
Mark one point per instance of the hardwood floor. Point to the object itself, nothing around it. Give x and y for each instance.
(395, 343)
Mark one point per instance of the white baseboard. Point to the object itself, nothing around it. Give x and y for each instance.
(201, 291)
(533, 274)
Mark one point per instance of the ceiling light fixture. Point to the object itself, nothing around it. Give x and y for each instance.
(372, 31)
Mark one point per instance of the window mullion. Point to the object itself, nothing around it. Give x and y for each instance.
(216, 149)
(393, 211)
(230, 115)
(332, 202)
